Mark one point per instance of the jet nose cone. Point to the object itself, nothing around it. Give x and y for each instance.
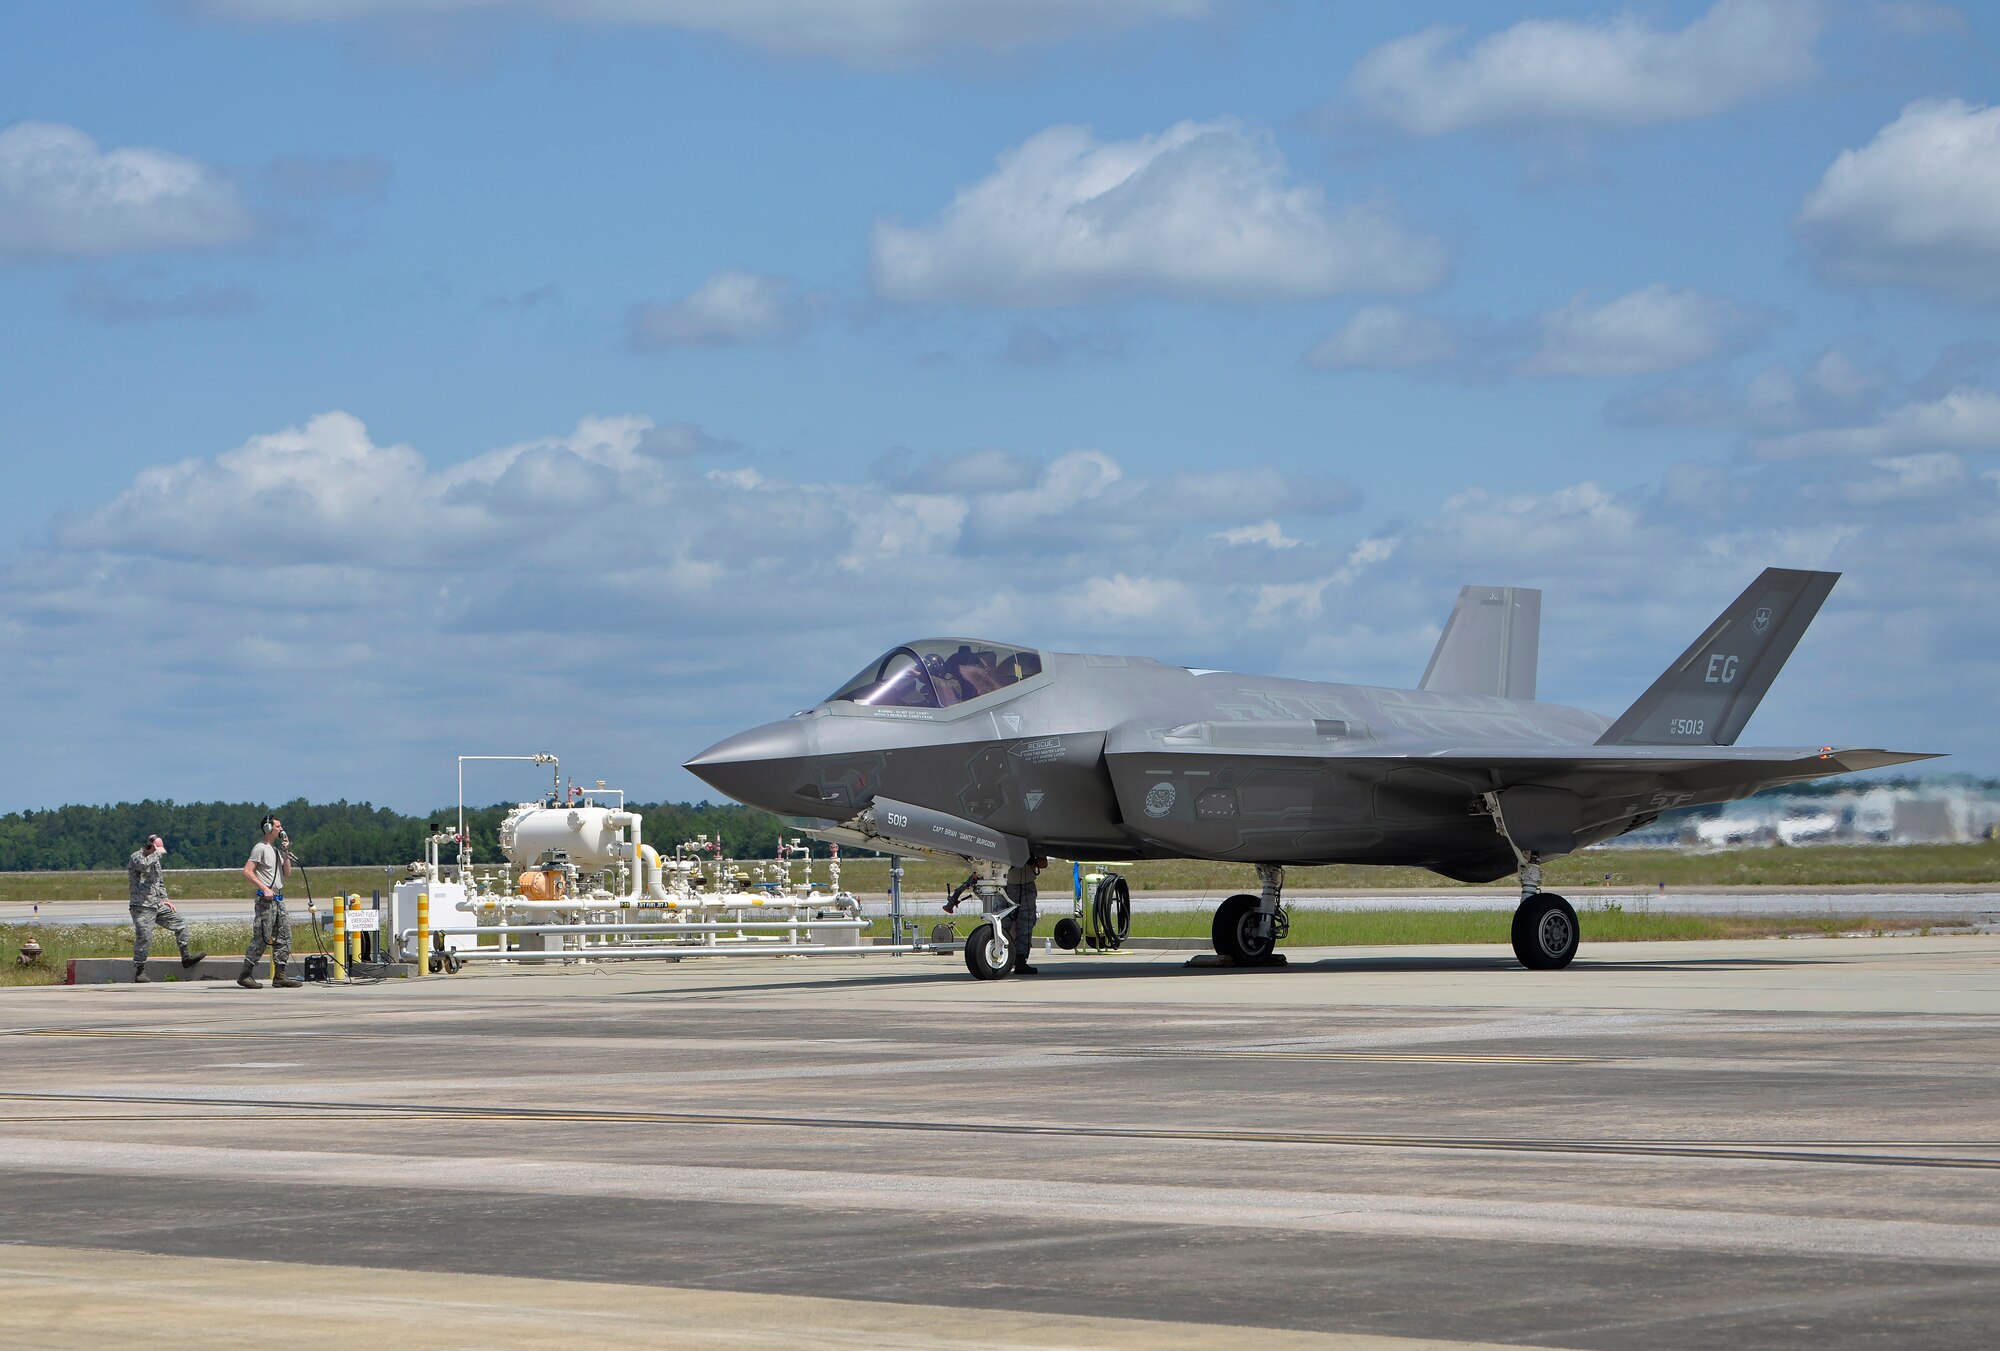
(763, 766)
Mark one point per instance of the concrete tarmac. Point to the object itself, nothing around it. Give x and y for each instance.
(1773, 1143)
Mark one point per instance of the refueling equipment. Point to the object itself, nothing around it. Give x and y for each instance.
(578, 882)
(1100, 910)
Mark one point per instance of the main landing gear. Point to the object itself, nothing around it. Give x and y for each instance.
(1545, 934)
(1249, 928)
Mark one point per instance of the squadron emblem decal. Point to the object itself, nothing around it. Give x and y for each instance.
(1761, 620)
(1159, 799)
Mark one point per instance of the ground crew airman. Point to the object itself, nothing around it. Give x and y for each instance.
(1021, 890)
(150, 906)
(270, 863)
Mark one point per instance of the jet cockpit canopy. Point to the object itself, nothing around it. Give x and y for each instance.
(939, 673)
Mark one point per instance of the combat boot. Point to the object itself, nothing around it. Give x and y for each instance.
(139, 976)
(281, 981)
(190, 960)
(248, 980)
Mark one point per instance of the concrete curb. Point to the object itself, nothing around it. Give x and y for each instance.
(168, 970)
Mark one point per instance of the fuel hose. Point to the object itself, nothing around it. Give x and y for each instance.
(1111, 910)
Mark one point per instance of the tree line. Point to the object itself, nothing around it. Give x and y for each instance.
(337, 834)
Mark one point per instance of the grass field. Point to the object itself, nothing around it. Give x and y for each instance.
(60, 942)
(1829, 865)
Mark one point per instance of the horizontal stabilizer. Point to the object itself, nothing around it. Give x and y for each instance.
(1489, 645)
(1706, 697)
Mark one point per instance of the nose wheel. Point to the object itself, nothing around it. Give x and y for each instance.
(988, 954)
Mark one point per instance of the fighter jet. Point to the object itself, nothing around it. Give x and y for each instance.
(994, 753)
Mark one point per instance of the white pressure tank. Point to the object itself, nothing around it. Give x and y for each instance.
(587, 835)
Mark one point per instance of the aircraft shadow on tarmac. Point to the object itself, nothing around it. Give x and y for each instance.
(1070, 969)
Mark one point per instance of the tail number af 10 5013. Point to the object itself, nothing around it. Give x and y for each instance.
(1688, 727)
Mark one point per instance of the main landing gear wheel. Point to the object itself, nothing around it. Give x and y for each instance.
(988, 954)
(1545, 932)
(1241, 933)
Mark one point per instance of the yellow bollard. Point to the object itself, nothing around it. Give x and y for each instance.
(339, 937)
(353, 938)
(423, 933)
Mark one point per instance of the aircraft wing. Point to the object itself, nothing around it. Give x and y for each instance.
(1807, 761)
(1557, 798)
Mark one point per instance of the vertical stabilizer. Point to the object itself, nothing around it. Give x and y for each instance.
(1490, 644)
(1705, 698)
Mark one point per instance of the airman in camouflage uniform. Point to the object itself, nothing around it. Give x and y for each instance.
(1022, 891)
(268, 867)
(150, 906)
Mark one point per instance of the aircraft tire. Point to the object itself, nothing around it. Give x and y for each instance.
(988, 954)
(1546, 935)
(1237, 937)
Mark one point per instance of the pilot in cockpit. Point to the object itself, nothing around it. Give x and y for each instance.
(975, 672)
(945, 679)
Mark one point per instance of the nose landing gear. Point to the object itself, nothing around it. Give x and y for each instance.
(989, 951)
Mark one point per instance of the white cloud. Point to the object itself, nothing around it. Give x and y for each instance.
(1616, 71)
(61, 196)
(411, 605)
(861, 32)
(1384, 337)
(1917, 206)
(1267, 533)
(1202, 209)
(1656, 328)
(1907, 478)
(1834, 388)
(1921, 18)
(1119, 599)
(730, 307)
(314, 611)
(1964, 419)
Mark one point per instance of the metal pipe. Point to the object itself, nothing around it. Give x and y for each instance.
(605, 953)
(473, 905)
(855, 924)
(542, 759)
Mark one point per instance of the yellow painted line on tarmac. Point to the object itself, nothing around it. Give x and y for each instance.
(1374, 1057)
(181, 1033)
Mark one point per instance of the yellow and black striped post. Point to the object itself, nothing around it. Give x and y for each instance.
(423, 932)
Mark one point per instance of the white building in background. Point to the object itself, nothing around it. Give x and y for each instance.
(1944, 812)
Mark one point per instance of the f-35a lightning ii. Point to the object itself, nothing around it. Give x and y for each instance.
(993, 753)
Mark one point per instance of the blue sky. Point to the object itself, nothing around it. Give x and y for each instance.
(385, 379)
